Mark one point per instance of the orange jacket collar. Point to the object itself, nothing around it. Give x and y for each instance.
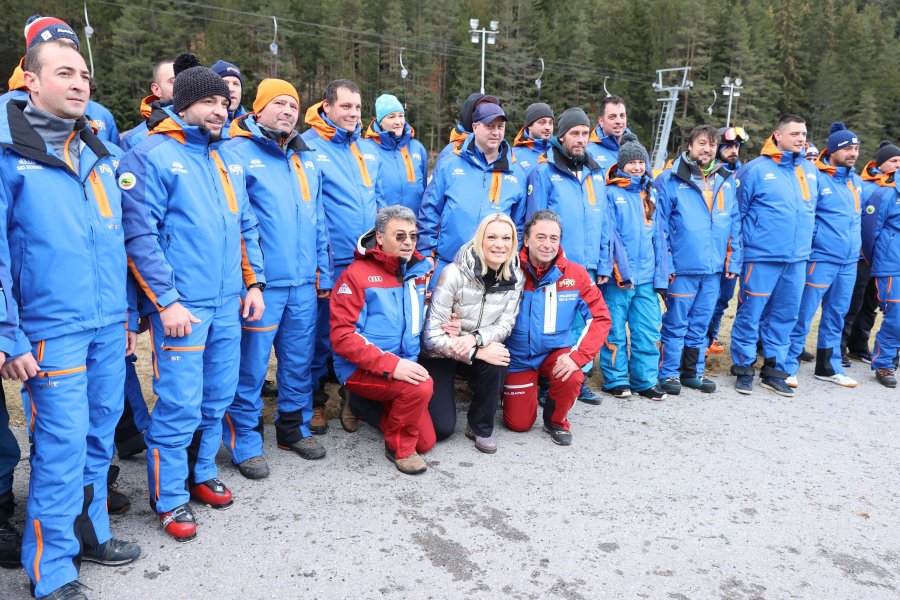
(314, 119)
(824, 166)
(770, 149)
(146, 109)
(235, 130)
(171, 128)
(871, 173)
(521, 140)
(17, 79)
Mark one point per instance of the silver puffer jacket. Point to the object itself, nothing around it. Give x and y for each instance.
(460, 289)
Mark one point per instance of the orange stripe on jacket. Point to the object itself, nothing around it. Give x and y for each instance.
(143, 284)
(100, 194)
(589, 186)
(496, 185)
(855, 194)
(804, 185)
(226, 182)
(361, 163)
(408, 163)
(301, 178)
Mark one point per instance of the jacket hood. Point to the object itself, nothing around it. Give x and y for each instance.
(465, 113)
(606, 141)
(616, 177)
(246, 126)
(387, 139)
(525, 139)
(146, 105)
(458, 136)
(871, 173)
(839, 173)
(327, 130)
(770, 149)
(17, 79)
(503, 163)
(164, 121)
(367, 249)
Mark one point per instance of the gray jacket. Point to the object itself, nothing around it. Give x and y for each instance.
(460, 289)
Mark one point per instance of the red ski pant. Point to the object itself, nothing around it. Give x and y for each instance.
(405, 422)
(520, 396)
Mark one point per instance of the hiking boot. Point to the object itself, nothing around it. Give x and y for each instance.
(10, 546)
(655, 393)
(792, 382)
(132, 446)
(179, 523)
(307, 448)
(70, 591)
(410, 465)
(588, 396)
(112, 553)
(806, 356)
(886, 377)
(777, 385)
(117, 503)
(845, 361)
(864, 356)
(349, 421)
(319, 424)
(254, 467)
(559, 436)
(213, 493)
(671, 385)
(704, 384)
(715, 347)
(269, 389)
(488, 445)
(744, 384)
(839, 379)
(620, 391)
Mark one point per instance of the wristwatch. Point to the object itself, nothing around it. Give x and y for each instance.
(479, 343)
(259, 285)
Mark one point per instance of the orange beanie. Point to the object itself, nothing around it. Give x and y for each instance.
(269, 89)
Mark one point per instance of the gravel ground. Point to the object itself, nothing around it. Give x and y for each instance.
(700, 496)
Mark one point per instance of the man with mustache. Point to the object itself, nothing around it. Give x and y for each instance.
(197, 258)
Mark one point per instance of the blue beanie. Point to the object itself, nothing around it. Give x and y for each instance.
(841, 137)
(385, 105)
(226, 69)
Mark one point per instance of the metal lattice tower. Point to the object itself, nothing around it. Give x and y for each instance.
(667, 114)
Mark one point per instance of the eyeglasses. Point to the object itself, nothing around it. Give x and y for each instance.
(401, 236)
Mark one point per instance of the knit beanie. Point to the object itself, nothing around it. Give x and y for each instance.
(536, 111)
(269, 89)
(40, 29)
(572, 117)
(194, 82)
(630, 149)
(840, 137)
(226, 69)
(386, 104)
(886, 151)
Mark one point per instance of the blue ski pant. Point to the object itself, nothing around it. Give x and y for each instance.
(770, 294)
(633, 364)
(831, 285)
(71, 407)
(288, 323)
(195, 377)
(690, 300)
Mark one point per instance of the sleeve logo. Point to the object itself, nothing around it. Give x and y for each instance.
(127, 181)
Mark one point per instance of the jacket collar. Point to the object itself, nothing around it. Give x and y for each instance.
(316, 119)
(387, 139)
(367, 249)
(770, 149)
(26, 142)
(607, 141)
(557, 157)
(871, 173)
(523, 138)
(684, 169)
(616, 177)
(247, 126)
(164, 121)
(17, 79)
(503, 163)
(838, 173)
(556, 268)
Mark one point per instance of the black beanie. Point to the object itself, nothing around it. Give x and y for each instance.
(536, 111)
(194, 82)
(570, 118)
(886, 151)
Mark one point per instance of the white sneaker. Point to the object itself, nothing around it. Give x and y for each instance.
(792, 382)
(839, 379)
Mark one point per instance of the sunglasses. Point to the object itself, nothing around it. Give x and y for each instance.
(401, 236)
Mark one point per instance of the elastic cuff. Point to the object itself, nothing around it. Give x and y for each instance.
(738, 370)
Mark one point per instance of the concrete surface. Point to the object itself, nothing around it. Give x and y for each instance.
(701, 496)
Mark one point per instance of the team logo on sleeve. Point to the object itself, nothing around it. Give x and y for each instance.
(127, 181)
(870, 210)
(344, 289)
(530, 189)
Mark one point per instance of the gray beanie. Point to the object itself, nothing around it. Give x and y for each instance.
(572, 117)
(630, 149)
(886, 151)
(194, 82)
(536, 111)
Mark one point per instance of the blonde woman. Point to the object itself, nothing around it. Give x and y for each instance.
(481, 289)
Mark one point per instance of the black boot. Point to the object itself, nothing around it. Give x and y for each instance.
(117, 503)
(10, 540)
